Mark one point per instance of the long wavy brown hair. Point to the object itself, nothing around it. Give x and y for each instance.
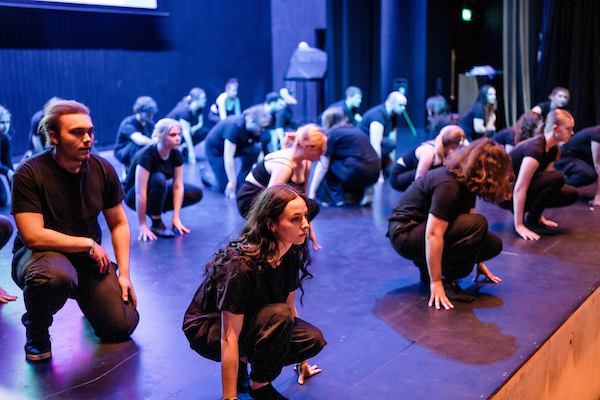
(256, 245)
(485, 168)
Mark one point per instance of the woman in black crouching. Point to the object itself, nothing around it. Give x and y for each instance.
(244, 311)
(435, 226)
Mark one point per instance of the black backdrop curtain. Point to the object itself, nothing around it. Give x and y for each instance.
(353, 45)
(570, 57)
(107, 60)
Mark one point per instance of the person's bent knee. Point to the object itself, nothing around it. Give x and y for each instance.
(569, 194)
(313, 337)
(194, 196)
(51, 269)
(158, 181)
(278, 312)
(472, 223)
(120, 326)
(554, 178)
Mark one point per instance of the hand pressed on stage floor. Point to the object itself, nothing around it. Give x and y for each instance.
(438, 295)
(177, 225)
(483, 270)
(5, 297)
(305, 371)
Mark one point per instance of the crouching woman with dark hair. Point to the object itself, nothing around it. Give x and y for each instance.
(435, 226)
(244, 310)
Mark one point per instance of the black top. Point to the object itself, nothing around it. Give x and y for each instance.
(346, 142)
(350, 112)
(33, 129)
(149, 158)
(70, 203)
(242, 287)
(285, 119)
(378, 114)
(579, 146)
(438, 193)
(477, 110)
(263, 177)
(534, 147)
(125, 148)
(233, 129)
(410, 157)
(182, 111)
(505, 137)
(545, 106)
(5, 154)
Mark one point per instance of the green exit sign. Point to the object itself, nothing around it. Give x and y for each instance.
(466, 14)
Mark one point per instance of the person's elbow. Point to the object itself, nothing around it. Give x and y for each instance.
(31, 240)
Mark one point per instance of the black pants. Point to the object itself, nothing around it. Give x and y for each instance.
(466, 242)
(546, 190)
(347, 178)
(49, 278)
(577, 172)
(401, 177)
(197, 137)
(270, 340)
(249, 155)
(160, 195)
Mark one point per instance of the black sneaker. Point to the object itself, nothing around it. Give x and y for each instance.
(38, 347)
(455, 292)
(159, 229)
(267, 392)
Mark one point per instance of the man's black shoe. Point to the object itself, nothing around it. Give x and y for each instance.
(455, 292)
(38, 348)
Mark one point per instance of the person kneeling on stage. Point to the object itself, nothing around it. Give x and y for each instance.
(349, 165)
(135, 131)
(56, 199)
(154, 182)
(244, 311)
(435, 226)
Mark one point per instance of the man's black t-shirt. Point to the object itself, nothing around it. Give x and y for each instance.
(233, 129)
(182, 111)
(70, 203)
(378, 114)
(350, 112)
(125, 148)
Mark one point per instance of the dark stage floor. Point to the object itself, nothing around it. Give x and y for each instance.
(384, 342)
